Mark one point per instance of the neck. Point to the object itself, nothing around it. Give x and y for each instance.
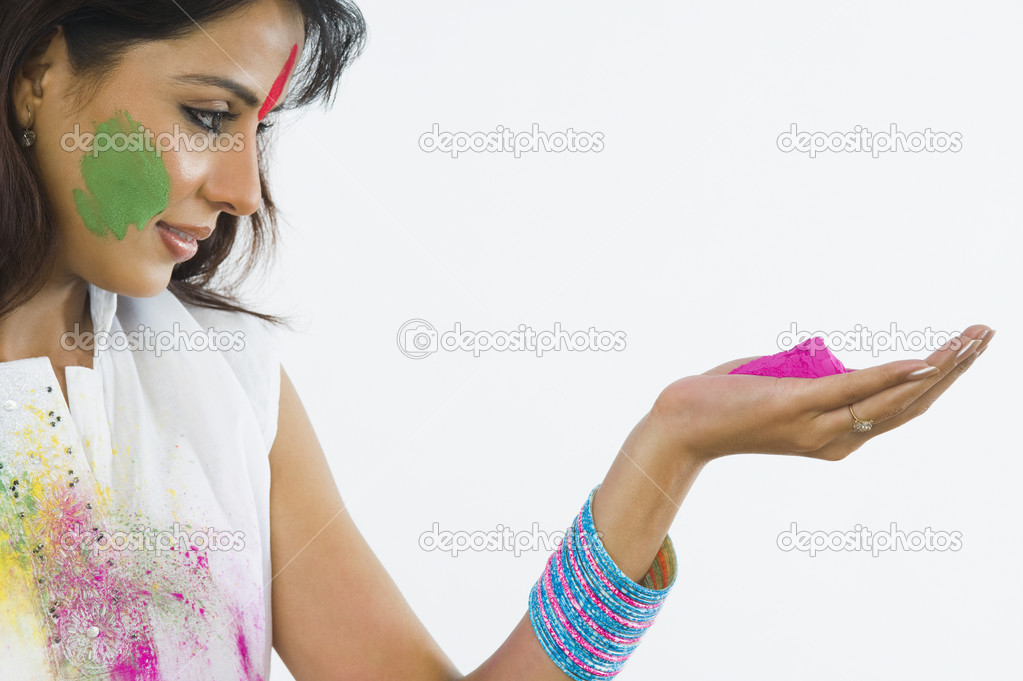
(35, 328)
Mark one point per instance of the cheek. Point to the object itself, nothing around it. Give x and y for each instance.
(125, 179)
(186, 171)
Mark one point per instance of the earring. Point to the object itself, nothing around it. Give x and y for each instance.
(28, 136)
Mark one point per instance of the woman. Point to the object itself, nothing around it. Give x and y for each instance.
(153, 492)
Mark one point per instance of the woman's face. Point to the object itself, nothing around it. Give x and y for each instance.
(113, 196)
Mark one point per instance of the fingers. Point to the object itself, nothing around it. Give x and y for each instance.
(827, 393)
(831, 392)
(894, 401)
(956, 344)
(889, 404)
(924, 402)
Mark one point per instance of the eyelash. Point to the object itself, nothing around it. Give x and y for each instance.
(197, 117)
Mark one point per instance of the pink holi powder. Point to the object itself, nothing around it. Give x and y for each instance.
(74, 581)
(80, 581)
(246, 672)
(106, 588)
(809, 359)
(139, 665)
(243, 652)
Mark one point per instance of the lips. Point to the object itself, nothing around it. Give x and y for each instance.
(182, 241)
(187, 231)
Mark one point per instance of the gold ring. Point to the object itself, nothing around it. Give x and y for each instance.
(860, 426)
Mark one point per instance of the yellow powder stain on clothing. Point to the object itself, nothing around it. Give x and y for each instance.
(36, 488)
(12, 567)
(23, 634)
(17, 595)
(103, 496)
(15, 579)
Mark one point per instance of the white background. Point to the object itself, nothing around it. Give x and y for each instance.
(693, 234)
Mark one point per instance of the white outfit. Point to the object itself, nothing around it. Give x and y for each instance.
(107, 570)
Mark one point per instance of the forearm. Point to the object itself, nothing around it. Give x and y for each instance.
(633, 510)
(640, 496)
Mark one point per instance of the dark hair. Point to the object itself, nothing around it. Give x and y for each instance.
(97, 34)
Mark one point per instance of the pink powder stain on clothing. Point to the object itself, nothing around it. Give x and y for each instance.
(76, 571)
(809, 359)
(202, 562)
(63, 545)
(243, 653)
(139, 664)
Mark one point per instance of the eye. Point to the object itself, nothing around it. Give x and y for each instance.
(263, 127)
(210, 121)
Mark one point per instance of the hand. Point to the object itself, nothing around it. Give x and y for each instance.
(717, 413)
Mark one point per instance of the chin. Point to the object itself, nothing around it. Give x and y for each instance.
(137, 286)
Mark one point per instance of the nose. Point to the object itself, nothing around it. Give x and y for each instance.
(232, 178)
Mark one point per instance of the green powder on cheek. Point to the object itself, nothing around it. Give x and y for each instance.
(126, 182)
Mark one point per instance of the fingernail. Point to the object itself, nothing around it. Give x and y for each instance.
(984, 335)
(922, 373)
(970, 347)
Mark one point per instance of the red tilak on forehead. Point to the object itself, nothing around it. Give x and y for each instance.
(278, 86)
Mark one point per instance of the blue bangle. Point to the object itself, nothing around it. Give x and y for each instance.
(586, 613)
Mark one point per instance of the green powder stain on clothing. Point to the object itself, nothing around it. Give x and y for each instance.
(126, 180)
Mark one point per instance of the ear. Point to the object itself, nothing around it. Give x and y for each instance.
(31, 79)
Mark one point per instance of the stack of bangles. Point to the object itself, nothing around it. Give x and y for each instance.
(586, 613)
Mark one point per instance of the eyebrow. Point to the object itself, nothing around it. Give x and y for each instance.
(243, 93)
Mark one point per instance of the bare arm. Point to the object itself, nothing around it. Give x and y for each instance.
(338, 615)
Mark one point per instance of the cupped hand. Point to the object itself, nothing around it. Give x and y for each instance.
(717, 413)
